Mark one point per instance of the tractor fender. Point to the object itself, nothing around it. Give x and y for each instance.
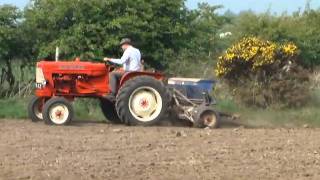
(130, 75)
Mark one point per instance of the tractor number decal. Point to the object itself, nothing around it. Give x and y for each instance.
(74, 67)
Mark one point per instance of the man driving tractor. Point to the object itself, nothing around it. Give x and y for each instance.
(131, 61)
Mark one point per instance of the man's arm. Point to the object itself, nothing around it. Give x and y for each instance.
(125, 57)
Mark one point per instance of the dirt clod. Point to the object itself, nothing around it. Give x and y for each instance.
(117, 130)
(181, 134)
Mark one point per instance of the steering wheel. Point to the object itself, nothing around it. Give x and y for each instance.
(113, 66)
(108, 64)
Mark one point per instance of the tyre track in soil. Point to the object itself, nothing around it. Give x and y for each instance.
(104, 151)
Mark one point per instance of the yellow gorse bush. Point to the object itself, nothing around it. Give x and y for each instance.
(289, 49)
(252, 53)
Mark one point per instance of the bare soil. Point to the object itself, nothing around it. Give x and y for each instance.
(87, 150)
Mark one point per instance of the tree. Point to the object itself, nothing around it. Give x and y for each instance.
(94, 28)
(11, 41)
(202, 44)
(205, 26)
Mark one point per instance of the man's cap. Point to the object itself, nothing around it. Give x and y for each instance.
(125, 41)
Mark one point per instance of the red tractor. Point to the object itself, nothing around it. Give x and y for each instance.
(142, 98)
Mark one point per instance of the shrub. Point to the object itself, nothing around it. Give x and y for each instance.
(263, 73)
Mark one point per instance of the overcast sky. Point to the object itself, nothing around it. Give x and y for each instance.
(234, 5)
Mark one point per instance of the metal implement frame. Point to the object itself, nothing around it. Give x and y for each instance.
(184, 105)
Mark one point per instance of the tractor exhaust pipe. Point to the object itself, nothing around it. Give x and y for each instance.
(57, 53)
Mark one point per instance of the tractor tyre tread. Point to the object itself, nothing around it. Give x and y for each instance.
(109, 111)
(34, 100)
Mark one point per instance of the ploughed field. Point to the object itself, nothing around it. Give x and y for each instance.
(87, 150)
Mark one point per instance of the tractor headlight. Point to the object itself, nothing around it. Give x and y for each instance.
(40, 80)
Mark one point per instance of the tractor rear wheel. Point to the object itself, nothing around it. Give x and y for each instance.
(35, 109)
(142, 100)
(57, 111)
(206, 117)
(109, 111)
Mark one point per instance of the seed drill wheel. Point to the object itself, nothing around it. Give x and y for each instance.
(109, 110)
(142, 100)
(206, 117)
(57, 111)
(35, 109)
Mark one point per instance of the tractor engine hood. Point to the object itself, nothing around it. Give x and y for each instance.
(72, 67)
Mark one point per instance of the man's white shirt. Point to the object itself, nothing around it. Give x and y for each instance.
(131, 59)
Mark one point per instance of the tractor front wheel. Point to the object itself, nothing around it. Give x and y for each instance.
(58, 111)
(142, 100)
(35, 109)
